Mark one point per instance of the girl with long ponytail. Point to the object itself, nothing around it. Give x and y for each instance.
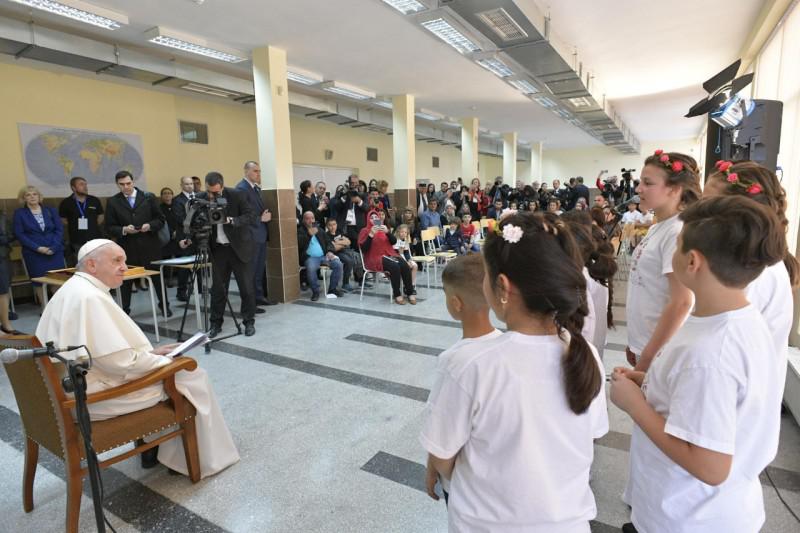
(521, 411)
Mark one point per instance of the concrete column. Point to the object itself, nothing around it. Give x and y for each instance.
(404, 145)
(510, 158)
(469, 149)
(275, 158)
(536, 162)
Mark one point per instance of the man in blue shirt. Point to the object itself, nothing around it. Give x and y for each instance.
(315, 251)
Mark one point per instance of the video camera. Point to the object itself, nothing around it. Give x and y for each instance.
(201, 214)
(626, 173)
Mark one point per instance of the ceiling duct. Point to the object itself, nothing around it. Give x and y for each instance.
(522, 39)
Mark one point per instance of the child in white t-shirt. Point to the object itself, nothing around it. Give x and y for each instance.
(709, 402)
(514, 418)
(465, 302)
(657, 304)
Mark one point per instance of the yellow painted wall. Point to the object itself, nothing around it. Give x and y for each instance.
(37, 95)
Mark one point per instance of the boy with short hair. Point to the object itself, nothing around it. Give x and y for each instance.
(453, 239)
(711, 394)
(469, 232)
(461, 279)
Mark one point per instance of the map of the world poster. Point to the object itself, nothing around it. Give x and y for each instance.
(53, 155)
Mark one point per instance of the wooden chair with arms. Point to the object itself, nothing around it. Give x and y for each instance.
(47, 420)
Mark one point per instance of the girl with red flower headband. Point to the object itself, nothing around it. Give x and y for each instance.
(657, 303)
(771, 292)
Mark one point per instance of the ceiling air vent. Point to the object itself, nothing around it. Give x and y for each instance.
(502, 24)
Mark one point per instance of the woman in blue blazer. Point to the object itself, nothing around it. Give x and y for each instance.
(41, 233)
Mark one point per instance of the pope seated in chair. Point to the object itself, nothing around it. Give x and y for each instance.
(83, 312)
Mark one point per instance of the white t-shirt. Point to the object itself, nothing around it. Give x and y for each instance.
(771, 294)
(524, 455)
(632, 217)
(648, 286)
(589, 323)
(599, 297)
(713, 388)
(444, 360)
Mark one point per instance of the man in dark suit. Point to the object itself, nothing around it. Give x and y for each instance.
(232, 250)
(250, 186)
(179, 209)
(133, 219)
(581, 190)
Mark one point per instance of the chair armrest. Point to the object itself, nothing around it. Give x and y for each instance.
(161, 374)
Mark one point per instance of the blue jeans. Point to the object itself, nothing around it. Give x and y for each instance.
(312, 267)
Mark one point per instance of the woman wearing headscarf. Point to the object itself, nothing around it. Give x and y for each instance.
(376, 244)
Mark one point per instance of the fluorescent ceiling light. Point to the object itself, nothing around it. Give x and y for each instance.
(406, 7)
(428, 115)
(496, 67)
(195, 45)
(303, 76)
(386, 104)
(579, 102)
(205, 89)
(545, 102)
(446, 32)
(563, 113)
(80, 11)
(524, 86)
(349, 91)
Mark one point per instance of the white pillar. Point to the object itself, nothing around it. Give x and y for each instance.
(469, 149)
(510, 158)
(404, 142)
(536, 162)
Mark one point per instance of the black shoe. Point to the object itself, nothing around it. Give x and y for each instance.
(628, 528)
(259, 311)
(264, 301)
(314, 296)
(249, 330)
(169, 310)
(182, 296)
(149, 457)
(214, 331)
(336, 292)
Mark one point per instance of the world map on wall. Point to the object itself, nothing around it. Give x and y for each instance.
(54, 155)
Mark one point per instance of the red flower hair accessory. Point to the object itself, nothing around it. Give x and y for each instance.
(674, 166)
(751, 188)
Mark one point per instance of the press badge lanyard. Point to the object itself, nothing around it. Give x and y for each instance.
(83, 222)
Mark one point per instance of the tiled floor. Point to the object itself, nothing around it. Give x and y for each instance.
(325, 406)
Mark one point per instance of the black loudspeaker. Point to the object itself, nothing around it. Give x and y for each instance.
(757, 138)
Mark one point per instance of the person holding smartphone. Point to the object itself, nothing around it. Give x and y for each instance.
(376, 244)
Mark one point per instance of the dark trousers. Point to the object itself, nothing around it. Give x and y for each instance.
(259, 267)
(349, 259)
(397, 268)
(126, 290)
(224, 262)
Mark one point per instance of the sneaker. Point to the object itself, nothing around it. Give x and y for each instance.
(336, 292)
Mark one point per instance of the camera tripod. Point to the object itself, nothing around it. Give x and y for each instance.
(202, 259)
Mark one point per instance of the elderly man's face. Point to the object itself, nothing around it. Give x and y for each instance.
(320, 189)
(308, 219)
(108, 265)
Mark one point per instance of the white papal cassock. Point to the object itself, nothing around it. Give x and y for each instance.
(83, 312)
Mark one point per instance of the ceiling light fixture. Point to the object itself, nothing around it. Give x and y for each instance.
(495, 66)
(446, 32)
(524, 86)
(80, 11)
(579, 102)
(500, 22)
(545, 102)
(303, 77)
(428, 115)
(194, 45)
(349, 91)
(386, 104)
(213, 91)
(406, 7)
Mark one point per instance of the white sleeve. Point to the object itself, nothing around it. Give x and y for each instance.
(702, 408)
(129, 364)
(598, 409)
(448, 420)
(668, 248)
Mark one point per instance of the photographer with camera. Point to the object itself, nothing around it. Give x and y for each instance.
(609, 188)
(225, 216)
(628, 185)
(133, 218)
(349, 207)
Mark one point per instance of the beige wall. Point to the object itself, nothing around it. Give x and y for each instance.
(587, 162)
(41, 96)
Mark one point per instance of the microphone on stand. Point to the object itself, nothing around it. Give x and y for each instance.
(12, 355)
